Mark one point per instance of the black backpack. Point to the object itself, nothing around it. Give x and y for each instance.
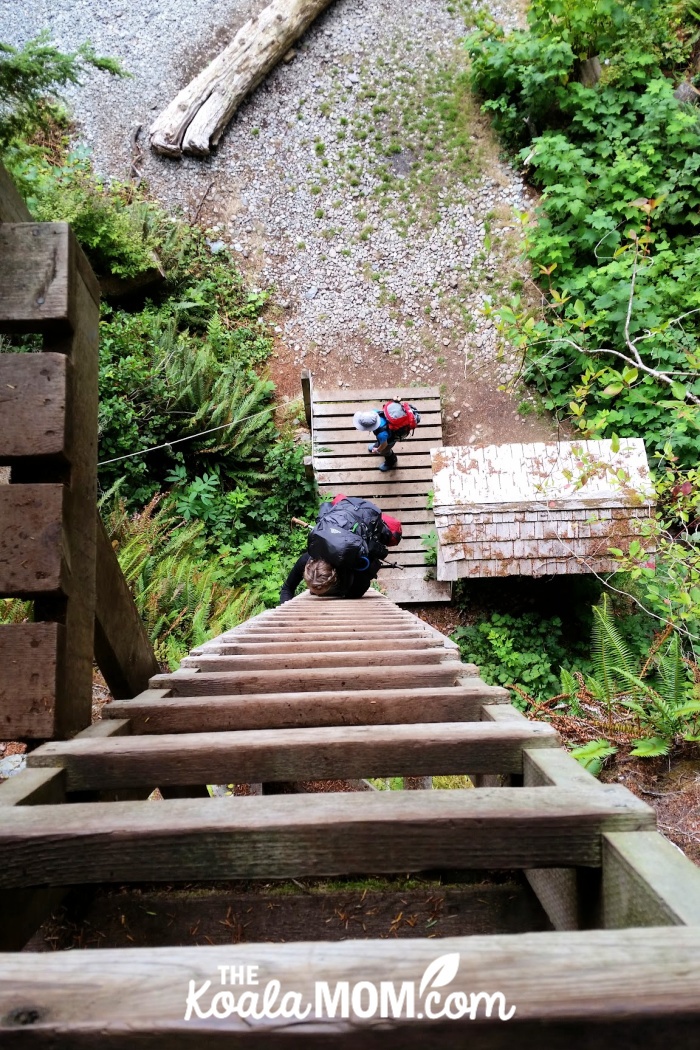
(347, 534)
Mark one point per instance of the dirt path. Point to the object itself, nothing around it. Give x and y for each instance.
(359, 182)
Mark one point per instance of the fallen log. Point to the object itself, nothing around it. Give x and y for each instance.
(195, 119)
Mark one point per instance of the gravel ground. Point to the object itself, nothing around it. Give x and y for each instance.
(383, 231)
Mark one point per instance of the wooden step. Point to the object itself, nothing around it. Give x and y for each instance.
(330, 443)
(377, 479)
(429, 409)
(293, 836)
(363, 645)
(262, 756)
(197, 683)
(310, 634)
(617, 988)
(151, 712)
(394, 658)
(380, 395)
(365, 461)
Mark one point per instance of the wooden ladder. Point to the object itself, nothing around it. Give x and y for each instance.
(328, 689)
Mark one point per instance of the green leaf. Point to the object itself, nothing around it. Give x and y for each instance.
(651, 747)
(678, 390)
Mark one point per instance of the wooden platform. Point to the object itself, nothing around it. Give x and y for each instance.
(342, 464)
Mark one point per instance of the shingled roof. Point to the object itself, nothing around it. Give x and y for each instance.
(538, 509)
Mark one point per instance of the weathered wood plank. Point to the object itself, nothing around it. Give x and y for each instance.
(31, 542)
(261, 756)
(306, 393)
(123, 650)
(74, 696)
(32, 405)
(12, 206)
(365, 461)
(37, 267)
(149, 917)
(378, 395)
(188, 714)
(570, 896)
(570, 992)
(31, 657)
(378, 486)
(34, 787)
(412, 475)
(24, 909)
(559, 769)
(252, 647)
(647, 881)
(288, 836)
(300, 661)
(352, 443)
(197, 683)
(428, 407)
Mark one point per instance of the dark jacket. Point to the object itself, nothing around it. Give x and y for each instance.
(350, 584)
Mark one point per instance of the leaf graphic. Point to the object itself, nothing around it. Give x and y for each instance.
(441, 971)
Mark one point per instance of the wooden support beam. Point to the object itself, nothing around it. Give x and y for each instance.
(292, 836)
(123, 650)
(570, 896)
(199, 683)
(278, 755)
(647, 881)
(626, 988)
(306, 394)
(186, 714)
(34, 787)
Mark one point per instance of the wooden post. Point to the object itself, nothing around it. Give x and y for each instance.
(53, 547)
(46, 285)
(306, 394)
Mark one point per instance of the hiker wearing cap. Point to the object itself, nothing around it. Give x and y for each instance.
(396, 421)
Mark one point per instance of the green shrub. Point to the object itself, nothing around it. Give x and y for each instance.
(615, 239)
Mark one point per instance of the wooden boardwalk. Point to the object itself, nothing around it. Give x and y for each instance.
(342, 464)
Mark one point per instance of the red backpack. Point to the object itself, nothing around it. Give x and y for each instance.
(400, 415)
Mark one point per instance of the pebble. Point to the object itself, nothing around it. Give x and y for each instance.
(268, 162)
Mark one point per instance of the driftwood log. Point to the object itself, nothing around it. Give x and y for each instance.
(195, 120)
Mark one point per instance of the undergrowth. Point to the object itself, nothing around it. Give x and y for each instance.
(199, 470)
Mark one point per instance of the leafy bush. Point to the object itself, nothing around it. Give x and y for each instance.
(31, 73)
(615, 241)
(526, 651)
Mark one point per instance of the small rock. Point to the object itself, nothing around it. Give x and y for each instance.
(472, 439)
(216, 246)
(456, 415)
(12, 764)
(311, 292)
(290, 56)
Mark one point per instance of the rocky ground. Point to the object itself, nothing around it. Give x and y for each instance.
(359, 182)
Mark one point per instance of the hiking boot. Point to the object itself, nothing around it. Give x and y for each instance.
(388, 466)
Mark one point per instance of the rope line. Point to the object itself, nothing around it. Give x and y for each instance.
(178, 441)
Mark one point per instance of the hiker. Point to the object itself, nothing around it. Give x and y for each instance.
(345, 550)
(396, 421)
